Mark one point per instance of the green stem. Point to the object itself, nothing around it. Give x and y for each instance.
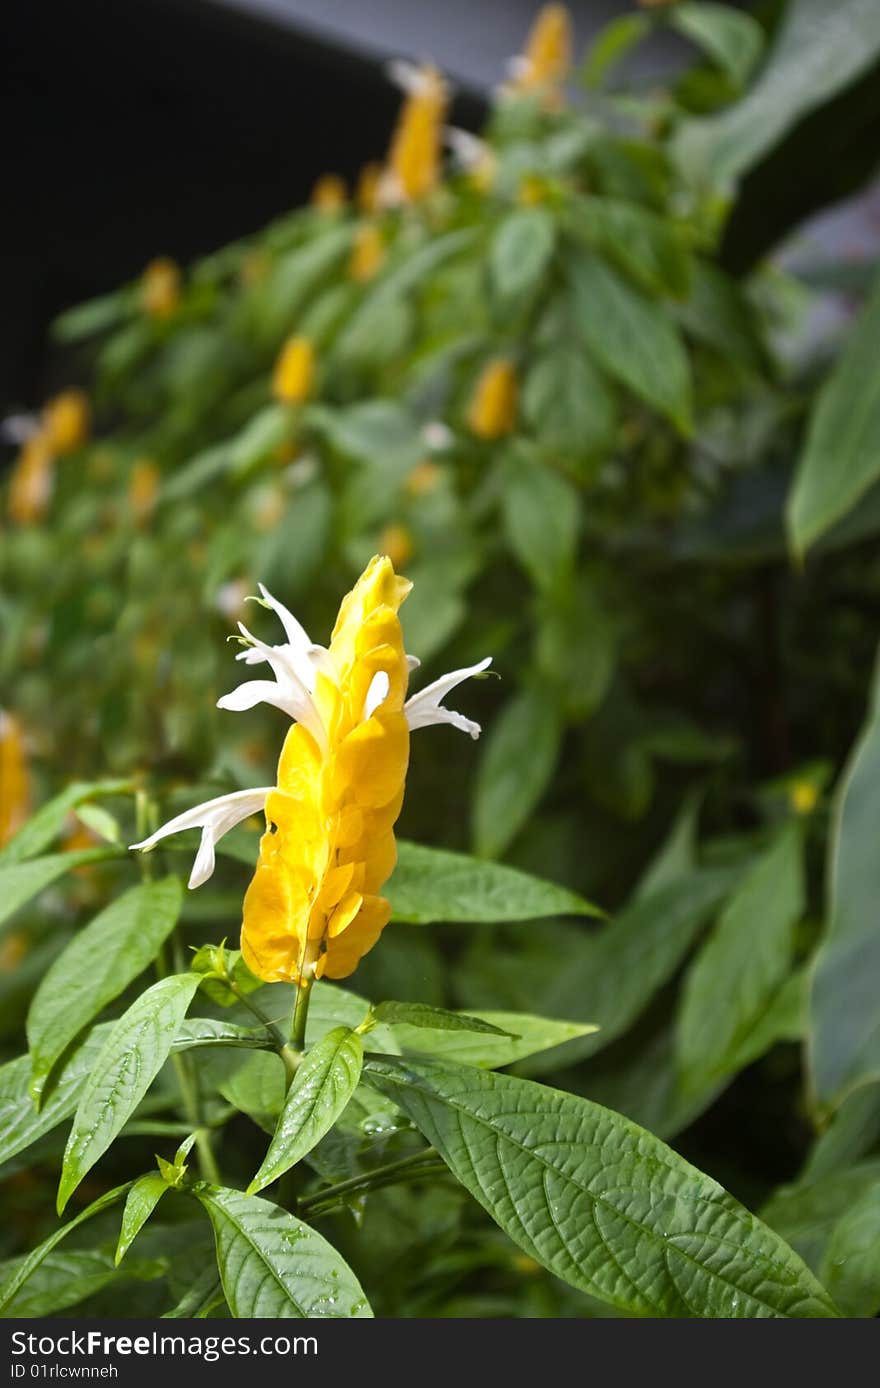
(300, 1013)
(373, 1180)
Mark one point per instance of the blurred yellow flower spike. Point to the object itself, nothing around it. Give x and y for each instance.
(15, 780)
(546, 61)
(329, 193)
(143, 489)
(424, 478)
(367, 253)
(160, 288)
(32, 481)
(414, 158)
(531, 191)
(492, 411)
(65, 421)
(367, 192)
(803, 797)
(294, 373)
(313, 907)
(397, 543)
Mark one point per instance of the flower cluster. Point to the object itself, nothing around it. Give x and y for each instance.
(314, 906)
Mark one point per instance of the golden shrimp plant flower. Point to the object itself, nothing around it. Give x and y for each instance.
(314, 906)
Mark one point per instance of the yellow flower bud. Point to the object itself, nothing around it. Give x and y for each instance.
(143, 489)
(160, 288)
(367, 193)
(65, 421)
(531, 190)
(329, 193)
(397, 543)
(803, 797)
(367, 254)
(12, 951)
(424, 478)
(294, 373)
(547, 57)
(15, 781)
(31, 483)
(492, 411)
(414, 156)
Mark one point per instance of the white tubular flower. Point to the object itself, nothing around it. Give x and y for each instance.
(425, 708)
(215, 818)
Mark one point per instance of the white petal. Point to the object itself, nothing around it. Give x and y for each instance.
(425, 708)
(412, 663)
(294, 632)
(377, 693)
(291, 693)
(254, 692)
(215, 818)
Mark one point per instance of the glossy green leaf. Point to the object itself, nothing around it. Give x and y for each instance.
(853, 1131)
(841, 456)
(21, 1124)
(19, 882)
(742, 963)
(514, 1035)
(542, 516)
(140, 1203)
(295, 276)
(26, 1267)
(599, 1201)
(420, 1014)
(521, 251)
(518, 761)
(611, 46)
(851, 1266)
(733, 39)
(646, 247)
(99, 964)
(568, 402)
(430, 884)
(806, 1213)
(844, 1046)
(47, 823)
(273, 1266)
(632, 338)
(819, 50)
(324, 1082)
(63, 1279)
(134, 1052)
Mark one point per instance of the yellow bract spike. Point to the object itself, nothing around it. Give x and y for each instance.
(160, 288)
(294, 373)
(367, 193)
(803, 796)
(65, 421)
(329, 193)
(368, 253)
(313, 908)
(397, 543)
(143, 489)
(31, 483)
(414, 156)
(15, 781)
(492, 411)
(547, 57)
(424, 478)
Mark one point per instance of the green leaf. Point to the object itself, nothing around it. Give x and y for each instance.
(99, 964)
(61, 1280)
(134, 1052)
(323, 1084)
(853, 1131)
(49, 819)
(611, 46)
(614, 974)
(599, 1201)
(732, 39)
(21, 881)
(542, 517)
(806, 1214)
(677, 855)
(719, 313)
(568, 402)
(742, 963)
(819, 50)
(296, 276)
(140, 1203)
(25, 1267)
(632, 338)
(273, 1266)
(516, 766)
(841, 456)
(851, 1266)
(430, 884)
(196, 1032)
(21, 1124)
(421, 1014)
(647, 248)
(94, 316)
(844, 1043)
(515, 1036)
(521, 251)
(264, 432)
